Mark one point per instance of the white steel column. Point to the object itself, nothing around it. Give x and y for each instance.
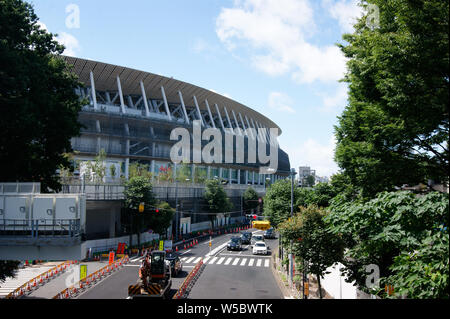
(122, 104)
(246, 177)
(184, 108)
(237, 123)
(144, 96)
(220, 117)
(248, 125)
(208, 172)
(152, 167)
(229, 176)
(209, 112)
(239, 176)
(228, 120)
(198, 110)
(193, 173)
(166, 105)
(253, 178)
(94, 95)
(242, 122)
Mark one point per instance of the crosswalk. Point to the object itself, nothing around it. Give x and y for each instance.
(229, 261)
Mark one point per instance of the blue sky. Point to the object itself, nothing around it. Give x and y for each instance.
(276, 56)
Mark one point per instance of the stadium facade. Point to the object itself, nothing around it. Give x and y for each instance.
(130, 115)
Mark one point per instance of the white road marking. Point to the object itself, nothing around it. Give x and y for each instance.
(220, 261)
(183, 259)
(130, 265)
(189, 260)
(228, 261)
(185, 252)
(251, 261)
(212, 261)
(258, 263)
(197, 260)
(244, 260)
(236, 260)
(206, 259)
(266, 263)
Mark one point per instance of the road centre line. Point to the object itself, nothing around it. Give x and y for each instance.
(185, 252)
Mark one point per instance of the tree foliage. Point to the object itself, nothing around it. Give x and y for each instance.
(8, 268)
(277, 202)
(393, 231)
(395, 129)
(38, 103)
(312, 240)
(217, 199)
(138, 169)
(250, 199)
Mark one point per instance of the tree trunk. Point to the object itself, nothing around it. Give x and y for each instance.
(320, 288)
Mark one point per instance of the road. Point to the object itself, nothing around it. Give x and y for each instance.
(227, 275)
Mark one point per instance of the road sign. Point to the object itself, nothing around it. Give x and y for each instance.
(83, 271)
(161, 245)
(111, 257)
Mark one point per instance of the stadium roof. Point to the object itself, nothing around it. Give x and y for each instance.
(105, 77)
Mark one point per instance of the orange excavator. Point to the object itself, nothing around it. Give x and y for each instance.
(155, 278)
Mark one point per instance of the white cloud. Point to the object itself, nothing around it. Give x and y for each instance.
(70, 42)
(345, 11)
(316, 155)
(280, 102)
(42, 25)
(338, 100)
(275, 32)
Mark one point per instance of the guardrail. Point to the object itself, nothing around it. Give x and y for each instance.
(96, 276)
(40, 280)
(190, 280)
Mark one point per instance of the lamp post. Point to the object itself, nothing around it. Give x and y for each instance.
(291, 262)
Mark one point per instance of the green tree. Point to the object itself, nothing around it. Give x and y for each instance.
(277, 202)
(310, 180)
(138, 169)
(316, 246)
(395, 129)
(250, 200)
(8, 268)
(139, 190)
(97, 168)
(217, 199)
(38, 103)
(161, 220)
(393, 231)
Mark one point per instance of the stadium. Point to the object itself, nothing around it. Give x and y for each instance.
(130, 115)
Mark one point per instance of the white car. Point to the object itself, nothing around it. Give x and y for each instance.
(260, 248)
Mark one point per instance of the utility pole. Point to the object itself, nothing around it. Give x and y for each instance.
(177, 226)
(291, 261)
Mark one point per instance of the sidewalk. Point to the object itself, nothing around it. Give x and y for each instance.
(23, 275)
(65, 280)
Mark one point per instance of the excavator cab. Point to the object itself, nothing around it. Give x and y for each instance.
(158, 264)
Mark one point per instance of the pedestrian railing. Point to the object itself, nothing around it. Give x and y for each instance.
(190, 280)
(91, 279)
(40, 280)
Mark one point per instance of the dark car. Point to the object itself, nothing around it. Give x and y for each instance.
(269, 233)
(246, 237)
(175, 263)
(235, 243)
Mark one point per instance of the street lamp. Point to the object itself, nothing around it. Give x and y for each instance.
(291, 262)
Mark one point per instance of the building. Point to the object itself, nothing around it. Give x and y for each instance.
(303, 173)
(130, 115)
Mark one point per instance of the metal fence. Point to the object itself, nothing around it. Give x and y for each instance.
(40, 228)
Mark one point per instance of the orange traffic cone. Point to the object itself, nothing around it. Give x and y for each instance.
(185, 246)
(176, 248)
(67, 294)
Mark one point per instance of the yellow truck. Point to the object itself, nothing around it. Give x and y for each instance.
(261, 224)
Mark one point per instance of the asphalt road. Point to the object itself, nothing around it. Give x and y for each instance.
(219, 280)
(238, 275)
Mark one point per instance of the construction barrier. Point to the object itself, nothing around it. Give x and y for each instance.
(38, 281)
(190, 280)
(89, 280)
